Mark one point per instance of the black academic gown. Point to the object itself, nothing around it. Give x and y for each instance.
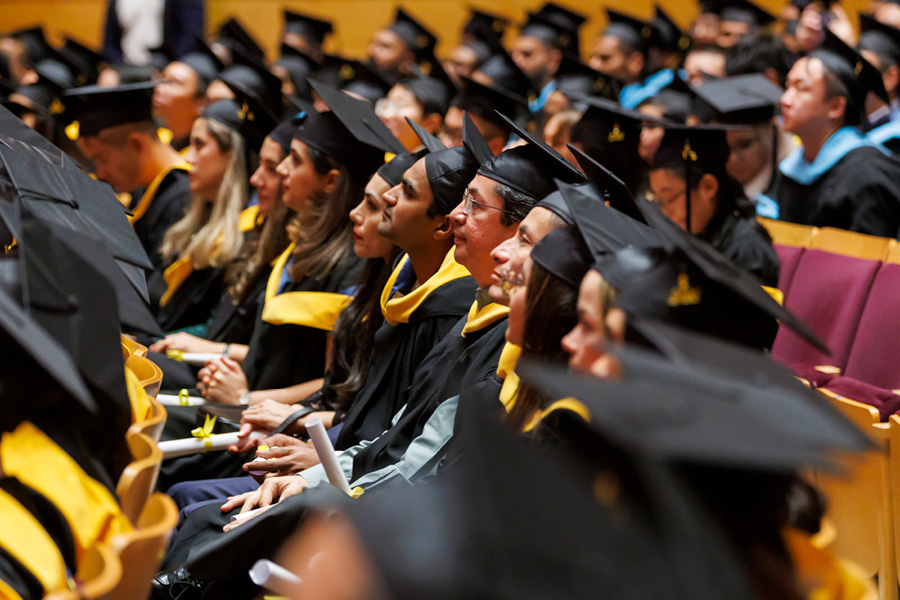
(193, 301)
(282, 355)
(458, 362)
(858, 192)
(396, 354)
(168, 200)
(742, 239)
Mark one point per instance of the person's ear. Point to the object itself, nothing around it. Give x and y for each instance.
(615, 321)
(708, 186)
(891, 78)
(329, 185)
(836, 108)
(135, 142)
(444, 229)
(635, 64)
(553, 61)
(432, 123)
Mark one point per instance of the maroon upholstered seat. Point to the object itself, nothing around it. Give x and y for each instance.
(875, 353)
(885, 401)
(788, 256)
(828, 292)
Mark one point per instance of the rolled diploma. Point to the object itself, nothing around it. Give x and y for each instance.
(174, 400)
(267, 574)
(193, 445)
(246, 515)
(327, 455)
(199, 358)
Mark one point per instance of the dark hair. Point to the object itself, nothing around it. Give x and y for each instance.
(757, 52)
(323, 230)
(836, 88)
(262, 246)
(515, 204)
(730, 196)
(550, 313)
(354, 332)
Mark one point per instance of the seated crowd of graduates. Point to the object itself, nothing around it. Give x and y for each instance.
(528, 297)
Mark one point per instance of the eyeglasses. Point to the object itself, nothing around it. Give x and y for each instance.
(468, 201)
(668, 201)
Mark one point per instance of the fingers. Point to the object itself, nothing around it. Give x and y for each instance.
(235, 501)
(266, 494)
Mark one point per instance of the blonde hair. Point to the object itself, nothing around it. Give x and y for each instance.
(210, 233)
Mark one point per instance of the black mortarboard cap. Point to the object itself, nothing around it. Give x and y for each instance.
(475, 142)
(449, 170)
(480, 22)
(482, 100)
(680, 423)
(611, 188)
(284, 131)
(611, 134)
(742, 99)
(393, 170)
(576, 77)
(244, 115)
(425, 541)
(857, 74)
(97, 108)
(204, 62)
(90, 60)
(300, 67)
(683, 147)
(556, 26)
(35, 42)
(233, 35)
(563, 253)
(504, 73)
(879, 38)
(531, 168)
(415, 36)
(45, 97)
(603, 228)
(776, 395)
(431, 93)
(364, 79)
(251, 75)
(31, 356)
(312, 28)
(723, 272)
(668, 34)
(744, 11)
(350, 132)
(631, 30)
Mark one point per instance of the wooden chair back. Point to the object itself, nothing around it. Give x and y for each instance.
(153, 425)
(139, 477)
(134, 347)
(147, 372)
(849, 243)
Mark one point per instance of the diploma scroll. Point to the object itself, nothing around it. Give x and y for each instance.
(196, 445)
(327, 455)
(267, 574)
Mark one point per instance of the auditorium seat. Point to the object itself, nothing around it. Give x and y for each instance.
(147, 372)
(152, 426)
(99, 573)
(859, 500)
(139, 477)
(791, 241)
(828, 291)
(134, 347)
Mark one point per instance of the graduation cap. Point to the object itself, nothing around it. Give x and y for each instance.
(89, 60)
(350, 132)
(769, 388)
(480, 22)
(563, 253)
(393, 170)
(283, 133)
(244, 115)
(555, 26)
(233, 35)
(299, 66)
(363, 78)
(698, 260)
(629, 29)
(575, 77)
(309, 27)
(612, 189)
(877, 37)
(426, 541)
(858, 75)
(531, 168)
(34, 40)
(32, 357)
(414, 35)
(431, 93)
(744, 11)
(54, 188)
(482, 100)
(251, 75)
(678, 422)
(610, 134)
(604, 228)
(742, 99)
(97, 108)
(204, 62)
(668, 36)
(501, 71)
(43, 96)
(449, 170)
